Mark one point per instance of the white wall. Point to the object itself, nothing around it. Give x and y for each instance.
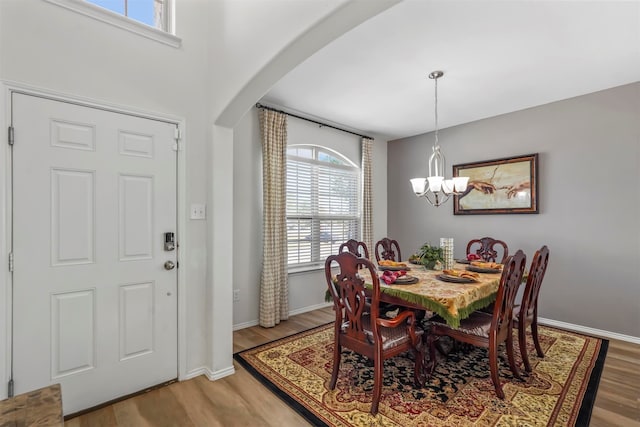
(246, 35)
(226, 46)
(54, 49)
(306, 289)
(589, 189)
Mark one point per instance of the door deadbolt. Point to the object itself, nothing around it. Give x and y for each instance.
(169, 265)
(169, 241)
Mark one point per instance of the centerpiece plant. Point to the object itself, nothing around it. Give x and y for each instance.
(428, 256)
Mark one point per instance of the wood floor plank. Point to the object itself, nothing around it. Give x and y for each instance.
(606, 418)
(246, 387)
(240, 400)
(104, 417)
(158, 407)
(127, 413)
(223, 406)
(190, 394)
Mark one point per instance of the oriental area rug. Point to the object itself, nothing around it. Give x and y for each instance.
(560, 391)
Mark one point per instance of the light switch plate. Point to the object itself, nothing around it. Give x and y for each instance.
(198, 211)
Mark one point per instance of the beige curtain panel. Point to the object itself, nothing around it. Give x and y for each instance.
(367, 192)
(274, 289)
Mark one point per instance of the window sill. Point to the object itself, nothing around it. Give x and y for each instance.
(306, 269)
(117, 20)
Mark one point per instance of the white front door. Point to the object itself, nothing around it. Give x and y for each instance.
(94, 307)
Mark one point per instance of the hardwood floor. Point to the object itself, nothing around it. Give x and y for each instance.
(240, 400)
(618, 399)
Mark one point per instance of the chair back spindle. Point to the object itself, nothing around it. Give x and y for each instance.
(528, 314)
(487, 249)
(357, 248)
(388, 249)
(510, 280)
(534, 282)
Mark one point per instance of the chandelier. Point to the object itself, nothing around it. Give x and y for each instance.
(436, 189)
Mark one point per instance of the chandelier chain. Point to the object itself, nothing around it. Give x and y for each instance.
(437, 143)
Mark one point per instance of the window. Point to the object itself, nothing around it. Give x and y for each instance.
(323, 203)
(152, 19)
(150, 12)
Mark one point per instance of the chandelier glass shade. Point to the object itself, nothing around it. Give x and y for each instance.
(436, 189)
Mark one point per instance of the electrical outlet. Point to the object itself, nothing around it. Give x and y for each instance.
(236, 295)
(198, 211)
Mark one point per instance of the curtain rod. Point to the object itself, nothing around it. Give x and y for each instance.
(258, 105)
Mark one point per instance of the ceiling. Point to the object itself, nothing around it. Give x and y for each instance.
(497, 57)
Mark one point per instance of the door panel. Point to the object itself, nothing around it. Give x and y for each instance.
(136, 320)
(136, 219)
(72, 217)
(94, 193)
(73, 325)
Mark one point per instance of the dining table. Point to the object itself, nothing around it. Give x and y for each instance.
(452, 301)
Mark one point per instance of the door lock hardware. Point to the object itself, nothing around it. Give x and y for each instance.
(169, 241)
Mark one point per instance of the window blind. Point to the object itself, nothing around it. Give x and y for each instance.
(323, 205)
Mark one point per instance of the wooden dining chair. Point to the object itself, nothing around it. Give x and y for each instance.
(387, 249)
(487, 248)
(487, 330)
(357, 248)
(365, 332)
(526, 314)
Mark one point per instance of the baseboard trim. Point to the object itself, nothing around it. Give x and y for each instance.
(195, 373)
(245, 325)
(211, 375)
(251, 323)
(310, 308)
(588, 331)
(216, 375)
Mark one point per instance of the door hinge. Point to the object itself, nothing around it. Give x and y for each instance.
(178, 136)
(10, 262)
(10, 135)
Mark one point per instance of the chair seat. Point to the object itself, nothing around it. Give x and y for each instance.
(391, 337)
(478, 323)
(489, 309)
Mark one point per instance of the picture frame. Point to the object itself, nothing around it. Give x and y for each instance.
(501, 186)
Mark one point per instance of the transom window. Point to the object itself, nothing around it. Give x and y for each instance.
(152, 19)
(323, 203)
(151, 12)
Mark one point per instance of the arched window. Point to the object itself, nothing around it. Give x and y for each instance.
(323, 203)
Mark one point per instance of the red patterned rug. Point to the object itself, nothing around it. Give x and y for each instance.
(560, 391)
